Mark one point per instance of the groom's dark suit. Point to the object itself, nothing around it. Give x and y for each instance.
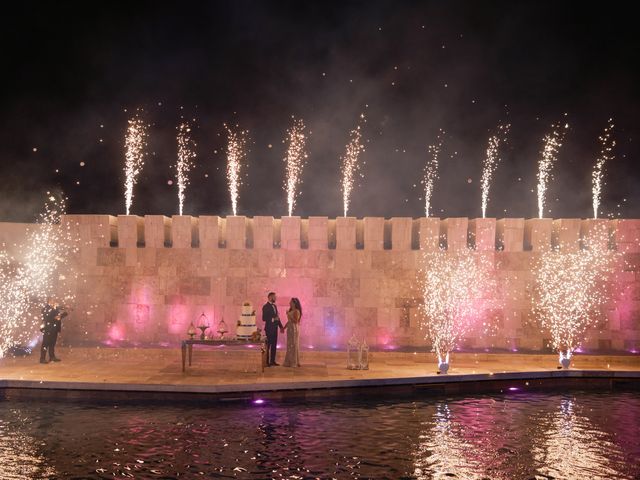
(271, 325)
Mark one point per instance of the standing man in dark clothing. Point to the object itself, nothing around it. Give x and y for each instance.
(52, 317)
(271, 324)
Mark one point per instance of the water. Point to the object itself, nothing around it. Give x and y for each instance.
(515, 436)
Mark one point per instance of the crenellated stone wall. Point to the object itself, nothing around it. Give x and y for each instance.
(142, 280)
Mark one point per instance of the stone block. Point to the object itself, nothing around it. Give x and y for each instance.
(482, 233)
(345, 233)
(91, 230)
(401, 233)
(318, 233)
(373, 233)
(455, 230)
(566, 234)
(537, 234)
(627, 235)
(290, 233)
(157, 230)
(195, 286)
(263, 232)
(130, 231)
(184, 231)
(429, 231)
(595, 233)
(510, 234)
(209, 231)
(235, 230)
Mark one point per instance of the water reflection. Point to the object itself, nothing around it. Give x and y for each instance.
(524, 437)
(572, 447)
(20, 456)
(484, 437)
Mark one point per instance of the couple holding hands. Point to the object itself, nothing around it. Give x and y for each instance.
(272, 324)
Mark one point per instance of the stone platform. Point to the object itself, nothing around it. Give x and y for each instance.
(121, 374)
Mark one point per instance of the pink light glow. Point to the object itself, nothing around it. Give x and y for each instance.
(116, 332)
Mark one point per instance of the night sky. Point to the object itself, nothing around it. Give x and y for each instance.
(73, 75)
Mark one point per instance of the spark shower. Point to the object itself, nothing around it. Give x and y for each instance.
(351, 163)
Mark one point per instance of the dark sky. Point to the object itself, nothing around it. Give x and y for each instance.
(72, 76)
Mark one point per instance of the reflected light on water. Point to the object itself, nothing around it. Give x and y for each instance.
(497, 437)
(572, 448)
(19, 451)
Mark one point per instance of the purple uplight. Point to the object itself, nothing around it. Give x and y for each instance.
(258, 401)
(513, 389)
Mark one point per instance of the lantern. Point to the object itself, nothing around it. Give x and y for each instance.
(353, 362)
(363, 355)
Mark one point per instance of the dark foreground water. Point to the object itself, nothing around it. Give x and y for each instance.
(515, 436)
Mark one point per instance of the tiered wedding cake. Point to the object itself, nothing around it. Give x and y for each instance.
(246, 323)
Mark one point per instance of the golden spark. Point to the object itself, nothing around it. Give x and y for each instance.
(458, 289)
(607, 143)
(236, 142)
(184, 164)
(294, 162)
(552, 143)
(571, 287)
(350, 165)
(431, 171)
(490, 163)
(42, 271)
(135, 143)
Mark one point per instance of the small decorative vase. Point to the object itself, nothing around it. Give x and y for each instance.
(565, 362)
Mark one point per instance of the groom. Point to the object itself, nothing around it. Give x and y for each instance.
(271, 324)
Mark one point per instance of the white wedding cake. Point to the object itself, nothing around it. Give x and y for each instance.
(246, 323)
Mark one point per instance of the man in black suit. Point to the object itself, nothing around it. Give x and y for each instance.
(271, 324)
(52, 317)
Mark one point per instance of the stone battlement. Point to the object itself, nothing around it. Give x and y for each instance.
(348, 233)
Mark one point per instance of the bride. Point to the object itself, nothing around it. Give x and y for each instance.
(292, 359)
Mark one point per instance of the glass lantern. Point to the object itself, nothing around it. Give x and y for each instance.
(203, 324)
(191, 331)
(222, 328)
(363, 355)
(353, 354)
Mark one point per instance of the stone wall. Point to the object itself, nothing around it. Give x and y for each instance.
(142, 280)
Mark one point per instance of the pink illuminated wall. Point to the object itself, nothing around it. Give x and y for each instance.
(142, 280)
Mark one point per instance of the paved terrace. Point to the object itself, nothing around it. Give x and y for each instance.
(220, 372)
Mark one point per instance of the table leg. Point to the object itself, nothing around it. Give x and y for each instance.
(263, 358)
(190, 353)
(184, 356)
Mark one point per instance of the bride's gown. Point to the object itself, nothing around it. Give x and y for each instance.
(292, 358)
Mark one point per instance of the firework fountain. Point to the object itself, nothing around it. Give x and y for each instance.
(606, 154)
(491, 163)
(570, 289)
(26, 282)
(430, 174)
(184, 164)
(350, 165)
(236, 143)
(135, 143)
(552, 143)
(294, 161)
(456, 286)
